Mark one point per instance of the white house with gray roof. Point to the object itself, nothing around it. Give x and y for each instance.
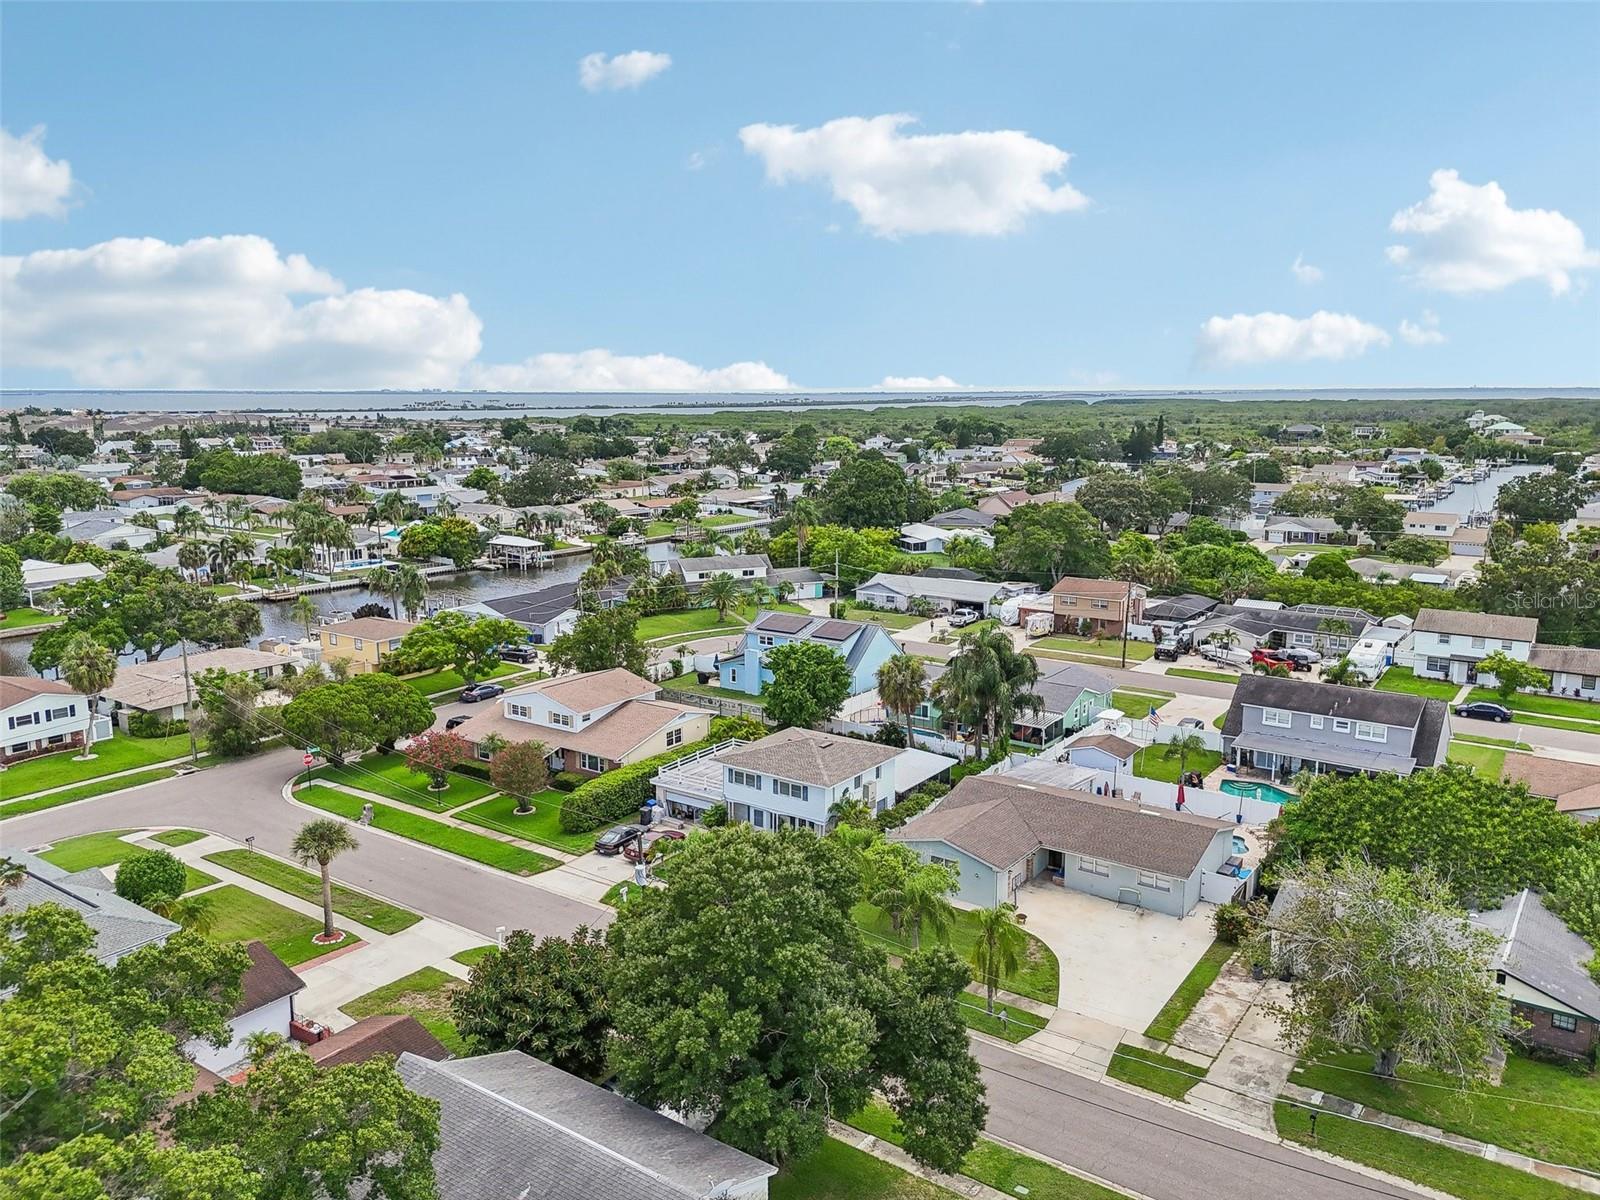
(896, 592)
(997, 834)
(513, 1126)
(1446, 644)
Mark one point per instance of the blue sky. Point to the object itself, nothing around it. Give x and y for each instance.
(469, 214)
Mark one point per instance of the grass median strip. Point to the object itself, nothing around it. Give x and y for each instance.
(471, 956)
(1195, 673)
(1181, 1003)
(1160, 1073)
(85, 791)
(1007, 1021)
(177, 837)
(462, 842)
(347, 902)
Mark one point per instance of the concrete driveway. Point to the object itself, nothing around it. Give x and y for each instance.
(1118, 965)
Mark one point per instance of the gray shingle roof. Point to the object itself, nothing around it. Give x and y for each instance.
(998, 822)
(807, 756)
(1426, 716)
(1537, 948)
(1575, 660)
(962, 590)
(511, 1125)
(120, 926)
(1476, 624)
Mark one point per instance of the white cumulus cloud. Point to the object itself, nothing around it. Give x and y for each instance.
(1304, 271)
(976, 183)
(32, 184)
(598, 73)
(1245, 339)
(1468, 238)
(603, 371)
(222, 312)
(917, 383)
(1423, 333)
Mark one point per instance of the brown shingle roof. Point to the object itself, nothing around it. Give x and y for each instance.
(394, 1035)
(592, 689)
(1110, 589)
(1575, 660)
(1475, 624)
(377, 629)
(267, 978)
(1113, 745)
(1551, 777)
(14, 689)
(807, 756)
(999, 822)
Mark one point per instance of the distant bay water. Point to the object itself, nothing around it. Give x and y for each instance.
(433, 405)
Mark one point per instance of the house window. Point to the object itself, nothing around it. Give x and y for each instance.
(1367, 731)
(394, 644)
(1444, 639)
(744, 779)
(1439, 666)
(19, 747)
(1149, 879)
(1477, 643)
(333, 638)
(1099, 604)
(1340, 725)
(1093, 866)
(561, 720)
(748, 574)
(674, 737)
(1588, 682)
(1316, 722)
(733, 674)
(1564, 1021)
(519, 710)
(951, 863)
(23, 721)
(1505, 644)
(765, 640)
(586, 717)
(1277, 717)
(591, 762)
(795, 791)
(360, 645)
(1067, 601)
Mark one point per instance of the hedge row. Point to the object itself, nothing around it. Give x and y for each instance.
(619, 794)
(910, 806)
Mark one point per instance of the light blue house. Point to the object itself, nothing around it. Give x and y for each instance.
(864, 648)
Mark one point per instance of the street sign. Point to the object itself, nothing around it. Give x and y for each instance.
(306, 760)
(313, 749)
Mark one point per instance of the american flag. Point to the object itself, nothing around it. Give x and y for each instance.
(1153, 716)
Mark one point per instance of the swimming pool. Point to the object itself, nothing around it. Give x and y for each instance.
(1256, 791)
(1240, 846)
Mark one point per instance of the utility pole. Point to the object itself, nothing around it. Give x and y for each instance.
(1127, 607)
(189, 699)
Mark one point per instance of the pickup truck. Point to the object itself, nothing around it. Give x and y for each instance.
(962, 617)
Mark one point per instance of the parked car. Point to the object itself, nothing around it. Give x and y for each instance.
(614, 840)
(1194, 723)
(517, 654)
(639, 849)
(1482, 710)
(1272, 658)
(1169, 650)
(962, 617)
(481, 691)
(1302, 660)
(458, 719)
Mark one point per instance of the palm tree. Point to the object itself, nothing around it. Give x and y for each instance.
(390, 508)
(927, 902)
(999, 949)
(304, 609)
(408, 588)
(12, 874)
(90, 668)
(1181, 747)
(721, 591)
(222, 555)
(902, 686)
(850, 810)
(186, 521)
(783, 590)
(191, 557)
(987, 683)
(194, 913)
(241, 572)
(1343, 673)
(803, 517)
(607, 557)
(1162, 571)
(321, 841)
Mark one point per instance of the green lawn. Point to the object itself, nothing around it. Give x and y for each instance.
(1401, 679)
(1218, 721)
(616, 891)
(1039, 977)
(448, 679)
(120, 753)
(697, 621)
(27, 618)
(500, 855)
(1475, 740)
(840, 1172)
(543, 825)
(1170, 1077)
(1429, 1163)
(1000, 1167)
(689, 682)
(1097, 647)
(1553, 1134)
(473, 955)
(1138, 704)
(1152, 763)
(1019, 1023)
(722, 519)
(1546, 706)
(1488, 761)
(96, 787)
(660, 529)
(889, 620)
(304, 885)
(241, 916)
(387, 775)
(90, 850)
(1181, 1003)
(1193, 673)
(425, 995)
(177, 837)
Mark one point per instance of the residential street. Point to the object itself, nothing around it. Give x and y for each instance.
(1147, 1147)
(244, 799)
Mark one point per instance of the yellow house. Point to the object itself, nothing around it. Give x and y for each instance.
(362, 641)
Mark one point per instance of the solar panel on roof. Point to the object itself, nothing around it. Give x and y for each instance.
(834, 631)
(784, 622)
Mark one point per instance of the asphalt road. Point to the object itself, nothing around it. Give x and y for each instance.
(244, 799)
(1147, 1147)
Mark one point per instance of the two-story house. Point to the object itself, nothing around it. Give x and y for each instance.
(792, 779)
(1446, 644)
(1070, 697)
(1284, 726)
(40, 716)
(362, 642)
(165, 688)
(1097, 607)
(589, 723)
(864, 648)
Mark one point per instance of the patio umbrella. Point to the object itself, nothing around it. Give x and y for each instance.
(1180, 795)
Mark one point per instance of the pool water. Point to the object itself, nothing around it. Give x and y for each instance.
(1257, 791)
(1240, 846)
